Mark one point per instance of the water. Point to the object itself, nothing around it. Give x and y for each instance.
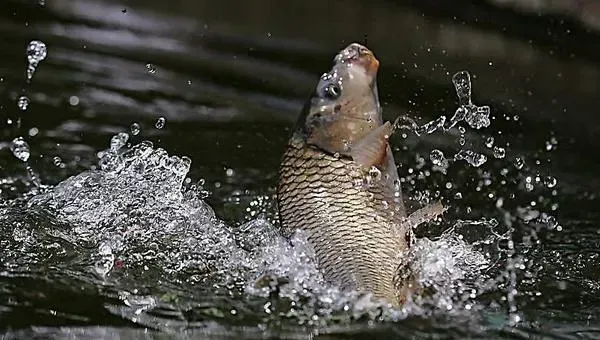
(131, 231)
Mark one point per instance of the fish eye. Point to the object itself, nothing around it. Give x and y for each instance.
(332, 91)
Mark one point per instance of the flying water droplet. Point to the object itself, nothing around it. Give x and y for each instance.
(151, 68)
(489, 142)
(499, 152)
(462, 84)
(23, 103)
(160, 123)
(36, 52)
(57, 161)
(33, 132)
(118, 141)
(550, 181)
(519, 163)
(438, 159)
(431, 126)
(461, 138)
(472, 157)
(374, 175)
(135, 129)
(20, 149)
(106, 259)
(73, 100)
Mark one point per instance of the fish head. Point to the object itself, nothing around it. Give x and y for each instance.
(345, 104)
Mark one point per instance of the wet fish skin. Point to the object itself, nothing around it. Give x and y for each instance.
(339, 183)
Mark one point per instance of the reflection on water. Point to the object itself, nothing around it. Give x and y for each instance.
(138, 237)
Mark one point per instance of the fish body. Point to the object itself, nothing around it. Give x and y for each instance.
(339, 182)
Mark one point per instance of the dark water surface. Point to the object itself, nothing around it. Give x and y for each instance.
(123, 252)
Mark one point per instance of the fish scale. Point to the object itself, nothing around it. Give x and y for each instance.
(318, 193)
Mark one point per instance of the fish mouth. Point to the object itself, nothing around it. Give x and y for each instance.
(358, 54)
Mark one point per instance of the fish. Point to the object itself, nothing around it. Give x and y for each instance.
(339, 184)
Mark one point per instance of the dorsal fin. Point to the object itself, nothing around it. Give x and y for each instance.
(371, 150)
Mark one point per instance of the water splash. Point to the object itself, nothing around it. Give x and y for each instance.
(133, 214)
(477, 117)
(36, 52)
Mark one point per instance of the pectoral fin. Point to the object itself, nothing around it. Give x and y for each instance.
(422, 215)
(372, 149)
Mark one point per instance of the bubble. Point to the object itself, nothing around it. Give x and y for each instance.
(20, 149)
(160, 123)
(550, 181)
(36, 52)
(135, 129)
(473, 158)
(151, 68)
(499, 152)
(118, 141)
(519, 163)
(22, 103)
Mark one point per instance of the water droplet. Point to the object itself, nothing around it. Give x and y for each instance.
(462, 84)
(431, 126)
(519, 163)
(472, 157)
(36, 52)
(106, 259)
(438, 159)
(550, 181)
(374, 174)
(135, 129)
(20, 149)
(33, 131)
(160, 123)
(229, 172)
(489, 142)
(22, 103)
(118, 141)
(151, 68)
(499, 152)
(73, 100)
(458, 196)
(478, 118)
(57, 161)
(448, 185)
